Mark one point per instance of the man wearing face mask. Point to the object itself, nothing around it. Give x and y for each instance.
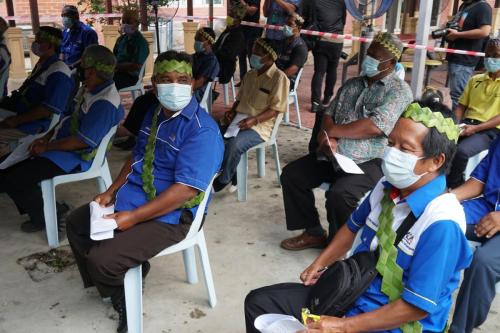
(416, 277)
(276, 12)
(356, 125)
(77, 36)
(205, 64)
(179, 149)
(131, 50)
(295, 52)
(479, 111)
(44, 93)
(262, 96)
(71, 147)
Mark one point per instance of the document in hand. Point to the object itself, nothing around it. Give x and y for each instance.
(21, 152)
(233, 129)
(347, 165)
(101, 228)
(278, 323)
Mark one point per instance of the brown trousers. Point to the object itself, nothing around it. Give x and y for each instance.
(103, 264)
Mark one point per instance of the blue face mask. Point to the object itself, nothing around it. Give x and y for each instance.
(174, 96)
(492, 65)
(255, 62)
(287, 31)
(67, 22)
(370, 66)
(398, 168)
(198, 47)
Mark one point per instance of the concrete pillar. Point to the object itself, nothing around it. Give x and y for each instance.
(33, 57)
(496, 22)
(356, 31)
(189, 32)
(110, 33)
(150, 60)
(423, 31)
(14, 38)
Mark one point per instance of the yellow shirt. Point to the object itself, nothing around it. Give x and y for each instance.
(259, 93)
(481, 98)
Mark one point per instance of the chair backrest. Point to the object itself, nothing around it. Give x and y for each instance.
(200, 212)
(276, 126)
(297, 79)
(473, 162)
(206, 98)
(141, 73)
(102, 149)
(54, 121)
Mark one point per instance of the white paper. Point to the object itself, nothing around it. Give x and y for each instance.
(347, 165)
(278, 323)
(101, 228)
(21, 152)
(233, 128)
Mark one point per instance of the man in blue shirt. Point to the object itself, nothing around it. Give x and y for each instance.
(277, 12)
(76, 36)
(205, 64)
(44, 94)
(71, 146)
(430, 256)
(482, 212)
(156, 195)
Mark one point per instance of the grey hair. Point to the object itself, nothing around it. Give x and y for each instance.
(101, 55)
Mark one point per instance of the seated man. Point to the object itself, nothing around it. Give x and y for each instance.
(482, 213)
(479, 111)
(5, 59)
(131, 51)
(230, 43)
(158, 190)
(205, 64)
(413, 288)
(295, 52)
(72, 148)
(262, 96)
(76, 36)
(44, 93)
(357, 125)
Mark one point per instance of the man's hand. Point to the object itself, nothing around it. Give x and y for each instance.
(39, 146)
(452, 35)
(105, 199)
(248, 123)
(327, 324)
(229, 116)
(328, 146)
(311, 274)
(125, 220)
(468, 130)
(489, 225)
(9, 122)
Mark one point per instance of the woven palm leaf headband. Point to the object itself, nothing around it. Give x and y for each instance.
(48, 38)
(172, 66)
(262, 43)
(390, 43)
(430, 119)
(205, 35)
(99, 66)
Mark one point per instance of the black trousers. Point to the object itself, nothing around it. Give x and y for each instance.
(103, 264)
(326, 58)
(21, 180)
(251, 34)
(468, 147)
(301, 176)
(283, 298)
(313, 142)
(124, 80)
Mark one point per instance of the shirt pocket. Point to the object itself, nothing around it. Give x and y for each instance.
(261, 99)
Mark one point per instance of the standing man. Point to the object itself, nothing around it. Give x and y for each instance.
(277, 12)
(5, 59)
(131, 51)
(474, 21)
(76, 36)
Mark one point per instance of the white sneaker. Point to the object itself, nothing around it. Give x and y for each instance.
(232, 188)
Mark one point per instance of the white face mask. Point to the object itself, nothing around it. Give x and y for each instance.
(398, 168)
(174, 96)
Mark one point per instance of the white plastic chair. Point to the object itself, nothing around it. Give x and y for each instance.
(206, 100)
(195, 236)
(473, 162)
(294, 98)
(474, 246)
(99, 169)
(136, 87)
(242, 169)
(225, 87)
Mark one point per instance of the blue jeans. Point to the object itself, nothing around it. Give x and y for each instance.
(458, 76)
(232, 153)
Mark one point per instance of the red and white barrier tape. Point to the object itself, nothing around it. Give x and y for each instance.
(329, 35)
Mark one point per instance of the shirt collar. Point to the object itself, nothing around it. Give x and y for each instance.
(77, 26)
(383, 80)
(101, 87)
(270, 71)
(421, 197)
(49, 61)
(488, 77)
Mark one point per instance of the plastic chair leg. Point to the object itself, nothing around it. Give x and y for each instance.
(50, 212)
(241, 175)
(133, 299)
(207, 271)
(226, 94)
(297, 110)
(497, 287)
(134, 96)
(277, 161)
(261, 162)
(190, 265)
(286, 118)
(233, 90)
(105, 180)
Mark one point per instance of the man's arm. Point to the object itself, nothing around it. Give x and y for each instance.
(470, 189)
(288, 7)
(358, 129)
(251, 9)
(265, 7)
(260, 118)
(481, 32)
(38, 112)
(460, 111)
(292, 70)
(492, 123)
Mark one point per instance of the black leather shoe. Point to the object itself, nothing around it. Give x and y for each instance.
(119, 306)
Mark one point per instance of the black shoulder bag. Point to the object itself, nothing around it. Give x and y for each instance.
(346, 280)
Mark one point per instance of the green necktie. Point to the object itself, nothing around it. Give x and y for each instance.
(392, 274)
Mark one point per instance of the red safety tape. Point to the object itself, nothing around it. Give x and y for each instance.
(274, 27)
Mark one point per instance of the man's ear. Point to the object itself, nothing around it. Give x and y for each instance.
(437, 162)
